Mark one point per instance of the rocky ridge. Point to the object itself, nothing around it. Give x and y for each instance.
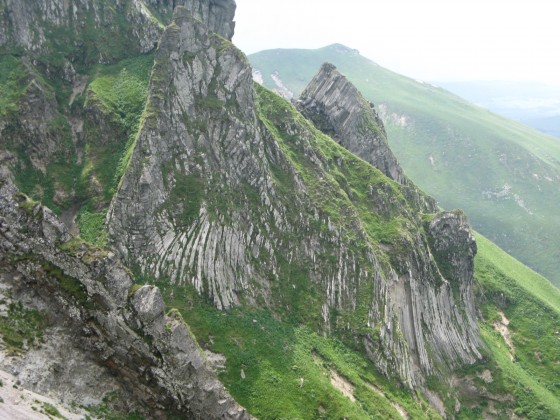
(51, 50)
(102, 335)
(230, 191)
(142, 31)
(205, 135)
(338, 109)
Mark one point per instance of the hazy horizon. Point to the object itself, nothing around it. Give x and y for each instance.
(434, 40)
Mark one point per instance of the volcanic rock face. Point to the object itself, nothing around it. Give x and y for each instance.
(200, 134)
(96, 331)
(217, 15)
(59, 40)
(339, 110)
(202, 203)
(20, 28)
(231, 191)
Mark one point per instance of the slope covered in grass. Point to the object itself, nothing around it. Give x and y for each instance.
(280, 369)
(525, 307)
(504, 175)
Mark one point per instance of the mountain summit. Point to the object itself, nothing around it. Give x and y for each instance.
(504, 175)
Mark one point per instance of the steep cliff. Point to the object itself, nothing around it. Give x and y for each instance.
(339, 110)
(216, 189)
(222, 185)
(98, 334)
(63, 107)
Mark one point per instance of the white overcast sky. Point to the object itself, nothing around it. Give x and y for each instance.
(433, 40)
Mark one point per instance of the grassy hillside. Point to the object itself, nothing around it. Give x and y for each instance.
(530, 364)
(503, 174)
(279, 369)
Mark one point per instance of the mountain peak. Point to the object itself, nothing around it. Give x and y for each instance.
(338, 109)
(342, 49)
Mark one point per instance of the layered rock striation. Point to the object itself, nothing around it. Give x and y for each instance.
(217, 15)
(198, 146)
(229, 191)
(233, 192)
(338, 109)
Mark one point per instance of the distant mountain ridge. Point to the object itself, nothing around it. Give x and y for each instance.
(536, 105)
(506, 176)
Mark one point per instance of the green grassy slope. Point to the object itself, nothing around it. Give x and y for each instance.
(506, 176)
(531, 367)
(268, 358)
(283, 370)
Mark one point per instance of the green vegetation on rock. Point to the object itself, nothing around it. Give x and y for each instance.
(345, 185)
(504, 175)
(267, 358)
(12, 84)
(531, 306)
(21, 326)
(331, 243)
(119, 91)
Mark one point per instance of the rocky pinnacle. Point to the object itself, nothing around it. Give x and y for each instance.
(338, 109)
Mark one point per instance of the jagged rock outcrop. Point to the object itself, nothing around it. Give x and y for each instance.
(97, 331)
(59, 19)
(30, 131)
(454, 248)
(201, 129)
(217, 15)
(230, 191)
(338, 109)
(50, 49)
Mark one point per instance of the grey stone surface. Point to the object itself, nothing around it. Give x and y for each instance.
(338, 109)
(217, 15)
(187, 136)
(148, 303)
(202, 204)
(204, 124)
(96, 343)
(19, 27)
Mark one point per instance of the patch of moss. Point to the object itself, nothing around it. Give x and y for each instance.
(210, 102)
(120, 90)
(92, 226)
(22, 325)
(134, 288)
(51, 411)
(69, 284)
(12, 84)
